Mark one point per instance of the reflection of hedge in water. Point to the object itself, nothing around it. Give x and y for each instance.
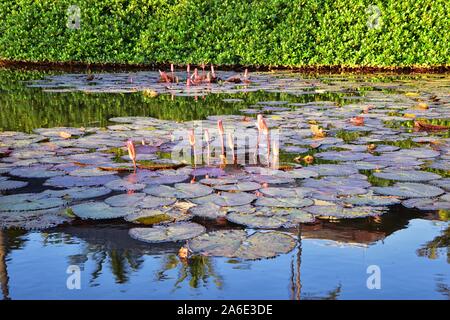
(29, 108)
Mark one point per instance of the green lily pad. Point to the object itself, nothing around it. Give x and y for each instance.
(208, 210)
(426, 204)
(298, 192)
(124, 185)
(79, 193)
(407, 175)
(179, 191)
(270, 218)
(226, 199)
(125, 200)
(174, 232)
(409, 190)
(236, 244)
(240, 186)
(35, 172)
(283, 202)
(99, 210)
(338, 212)
(153, 202)
(371, 200)
(29, 202)
(12, 184)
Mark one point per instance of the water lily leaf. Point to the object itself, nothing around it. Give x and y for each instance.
(270, 218)
(79, 193)
(406, 175)
(339, 185)
(226, 199)
(236, 244)
(338, 212)
(371, 200)
(35, 172)
(29, 202)
(222, 243)
(90, 172)
(33, 220)
(70, 181)
(240, 186)
(153, 202)
(409, 190)
(334, 169)
(12, 184)
(208, 210)
(167, 179)
(99, 210)
(179, 191)
(342, 155)
(263, 245)
(283, 202)
(158, 215)
(218, 181)
(124, 185)
(125, 200)
(275, 192)
(426, 204)
(170, 233)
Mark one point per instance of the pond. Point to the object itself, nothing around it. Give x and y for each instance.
(289, 186)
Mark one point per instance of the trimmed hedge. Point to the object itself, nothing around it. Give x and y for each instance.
(226, 32)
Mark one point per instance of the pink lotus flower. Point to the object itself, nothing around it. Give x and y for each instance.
(132, 152)
(221, 133)
(192, 137)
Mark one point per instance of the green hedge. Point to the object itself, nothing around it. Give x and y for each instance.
(246, 32)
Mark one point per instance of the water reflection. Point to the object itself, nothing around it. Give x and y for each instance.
(106, 248)
(4, 279)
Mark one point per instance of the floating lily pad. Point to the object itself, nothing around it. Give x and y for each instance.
(372, 200)
(124, 185)
(158, 215)
(208, 210)
(236, 244)
(283, 202)
(227, 199)
(79, 193)
(179, 191)
(29, 202)
(35, 172)
(125, 200)
(407, 175)
(33, 220)
(298, 192)
(240, 186)
(218, 181)
(342, 155)
(99, 210)
(410, 190)
(170, 233)
(270, 218)
(339, 212)
(426, 204)
(90, 172)
(12, 184)
(69, 181)
(339, 185)
(153, 202)
(334, 169)
(167, 179)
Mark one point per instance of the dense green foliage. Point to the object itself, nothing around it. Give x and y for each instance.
(251, 32)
